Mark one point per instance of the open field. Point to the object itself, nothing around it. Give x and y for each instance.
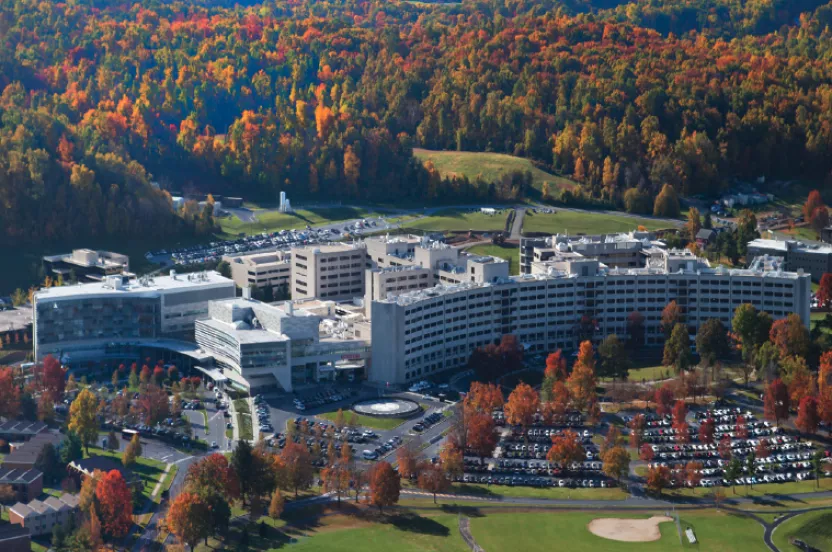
(511, 253)
(575, 222)
(495, 491)
(775, 491)
(567, 531)
(459, 220)
(150, 471)
(271, 221)
(813, 528)
(491, 166)
(366, 421)
(243, 419)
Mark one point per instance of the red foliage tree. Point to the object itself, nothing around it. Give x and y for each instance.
(115, 504)
(706, 431)
(189, 518)
(154, 405)
(481, 436)
(724, 447)
(385, 486)
(763, 450)
(824, 293)
(646, 452)
(213, 474)
(664, 399)
(808, 417)
(10, 392)
(52, 378)
(776, 401)
(741, 428)
(680, 424)
(658, 478)
(556, 366)
(434, 480)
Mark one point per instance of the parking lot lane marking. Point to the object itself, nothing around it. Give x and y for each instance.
(183, 459)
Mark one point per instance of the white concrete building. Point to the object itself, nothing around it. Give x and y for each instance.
(264, 270)
(333, 272)
(420, 333)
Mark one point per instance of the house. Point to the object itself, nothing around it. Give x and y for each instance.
(20, 430)
(25, 454)
(28, 484)
(81, 469)
(705, 237)
(40, 517)
(14, 538)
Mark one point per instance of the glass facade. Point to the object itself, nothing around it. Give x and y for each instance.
(97, 318)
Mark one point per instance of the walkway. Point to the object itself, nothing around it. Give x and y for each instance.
(517, 224)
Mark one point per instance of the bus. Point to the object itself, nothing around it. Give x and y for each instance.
(127, 434)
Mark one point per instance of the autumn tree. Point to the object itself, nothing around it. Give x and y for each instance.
(581, 382)
(763, 449)
(663, 399)
(798, 378)
(114, 504)
(666, 203)
(646, 453)
(671, 316)
(706, 431)
(566, 449)
(481, 435)
(297, 465)
(52, 378)
(213, 474)
(522, 405)
(658, 479)
(188, 518)
(556, 366)
(776, 401)
(483, 397)
(712, 341)
(336, 479)
(680, 424)
(451, 459)
(791, 336)
(741, 427)
(616, 462)
(824, 292)
(433, 479)
(82, 417)
(10, 391)
(807, 415)
(384, 486)
(724, 447)
(276, 505)
(693, 474)
(132, 451)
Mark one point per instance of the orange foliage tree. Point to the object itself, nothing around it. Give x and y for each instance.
(581, 382)
(385, 486)
(522, 405)
(566, 449)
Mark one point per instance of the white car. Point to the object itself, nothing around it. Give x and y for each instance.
(214, 444)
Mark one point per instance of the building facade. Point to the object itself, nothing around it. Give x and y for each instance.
(110, 319)
(86, 265)
(330, 272)
(27, 484)
(816, 259)
(421, 333)
(271, 271)
(40, 517)
(622, 250)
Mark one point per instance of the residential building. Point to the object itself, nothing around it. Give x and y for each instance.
(622, 250)
(20, 430)
(261, 347)
(705, 237)
(813, 258)
(40, 517)
(121, 318)
(424, 332)
(333, 272)
(24, 455)
(272, 271)
(28, 484)
(14, 538)
(86, 265)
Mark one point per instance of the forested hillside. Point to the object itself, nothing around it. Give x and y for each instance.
(327, 99)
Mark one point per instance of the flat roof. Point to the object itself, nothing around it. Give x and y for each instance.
(779, 245)
(331, 247)
(21, 427)
(159, 284)
(244, 335)
(15, 319)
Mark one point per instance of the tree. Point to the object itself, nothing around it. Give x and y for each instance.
(724, 447)
(483, 397)
(581, 382)
(733, 471)
(635, 330)
(451, 459)
(82, 417)
(52, 378)
(693, 474)
(154, 404)
(114, 504)
(807, 415)
(616, 462)
(680, 424)
(112, 441)
(646, 453)
(762, 450)
(433, 479)
(813, 202)
(10, 405)
(658, 478)
(663, 399)
(133, 379)
(637, 425)
(277, 505)
(614, 359)
(712, 341)
(188, 518)
(824, 292)
(46, 408)
(408, 461)
(384, 486)
(340, 422)
(297, 467)
(791, 336)
(798, 378)
(671, 316)
(766, 360)
(776, 401)
(522, 405)
(49, 463)
(666, 203)
(132, 451)
(213, 474)
(71, 448)
(224, 268)
(741, 428)
(706, 431)
(336, 479)
(611, 439)
(694, 224)
(677, 348)
(556, 365)
(481, 437)
(566, 449)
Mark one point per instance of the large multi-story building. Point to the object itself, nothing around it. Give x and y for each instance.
(816, 259)
(264, 270)
(86, 265)
(427, 331)
(114, 319)
(333, 272)
(622, 250)
(40, 517)
(261, 347)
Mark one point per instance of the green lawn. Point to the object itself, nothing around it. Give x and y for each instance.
(271, 221)
(813, 528)
(817, 317)
(567, 531)
(244, 419)
(491, 166)
(799, 233)
(511, 253)
(150, 471)
(794, 487)
(650, 373)
(483, 490)
(574, 222)
(459, 220)
(166, 482)
(366, 421)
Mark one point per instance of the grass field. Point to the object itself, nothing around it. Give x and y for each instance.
(150, 471)
(271, 221)
(491, 166)
(483, 490)
(567, 531)
(650, 373)
(511, 253)
(367, 421)
(575, 222)
(813, 528)
(243, 419)
(458, 220)
(778, 491)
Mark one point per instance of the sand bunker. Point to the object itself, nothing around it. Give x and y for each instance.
(628, 530)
